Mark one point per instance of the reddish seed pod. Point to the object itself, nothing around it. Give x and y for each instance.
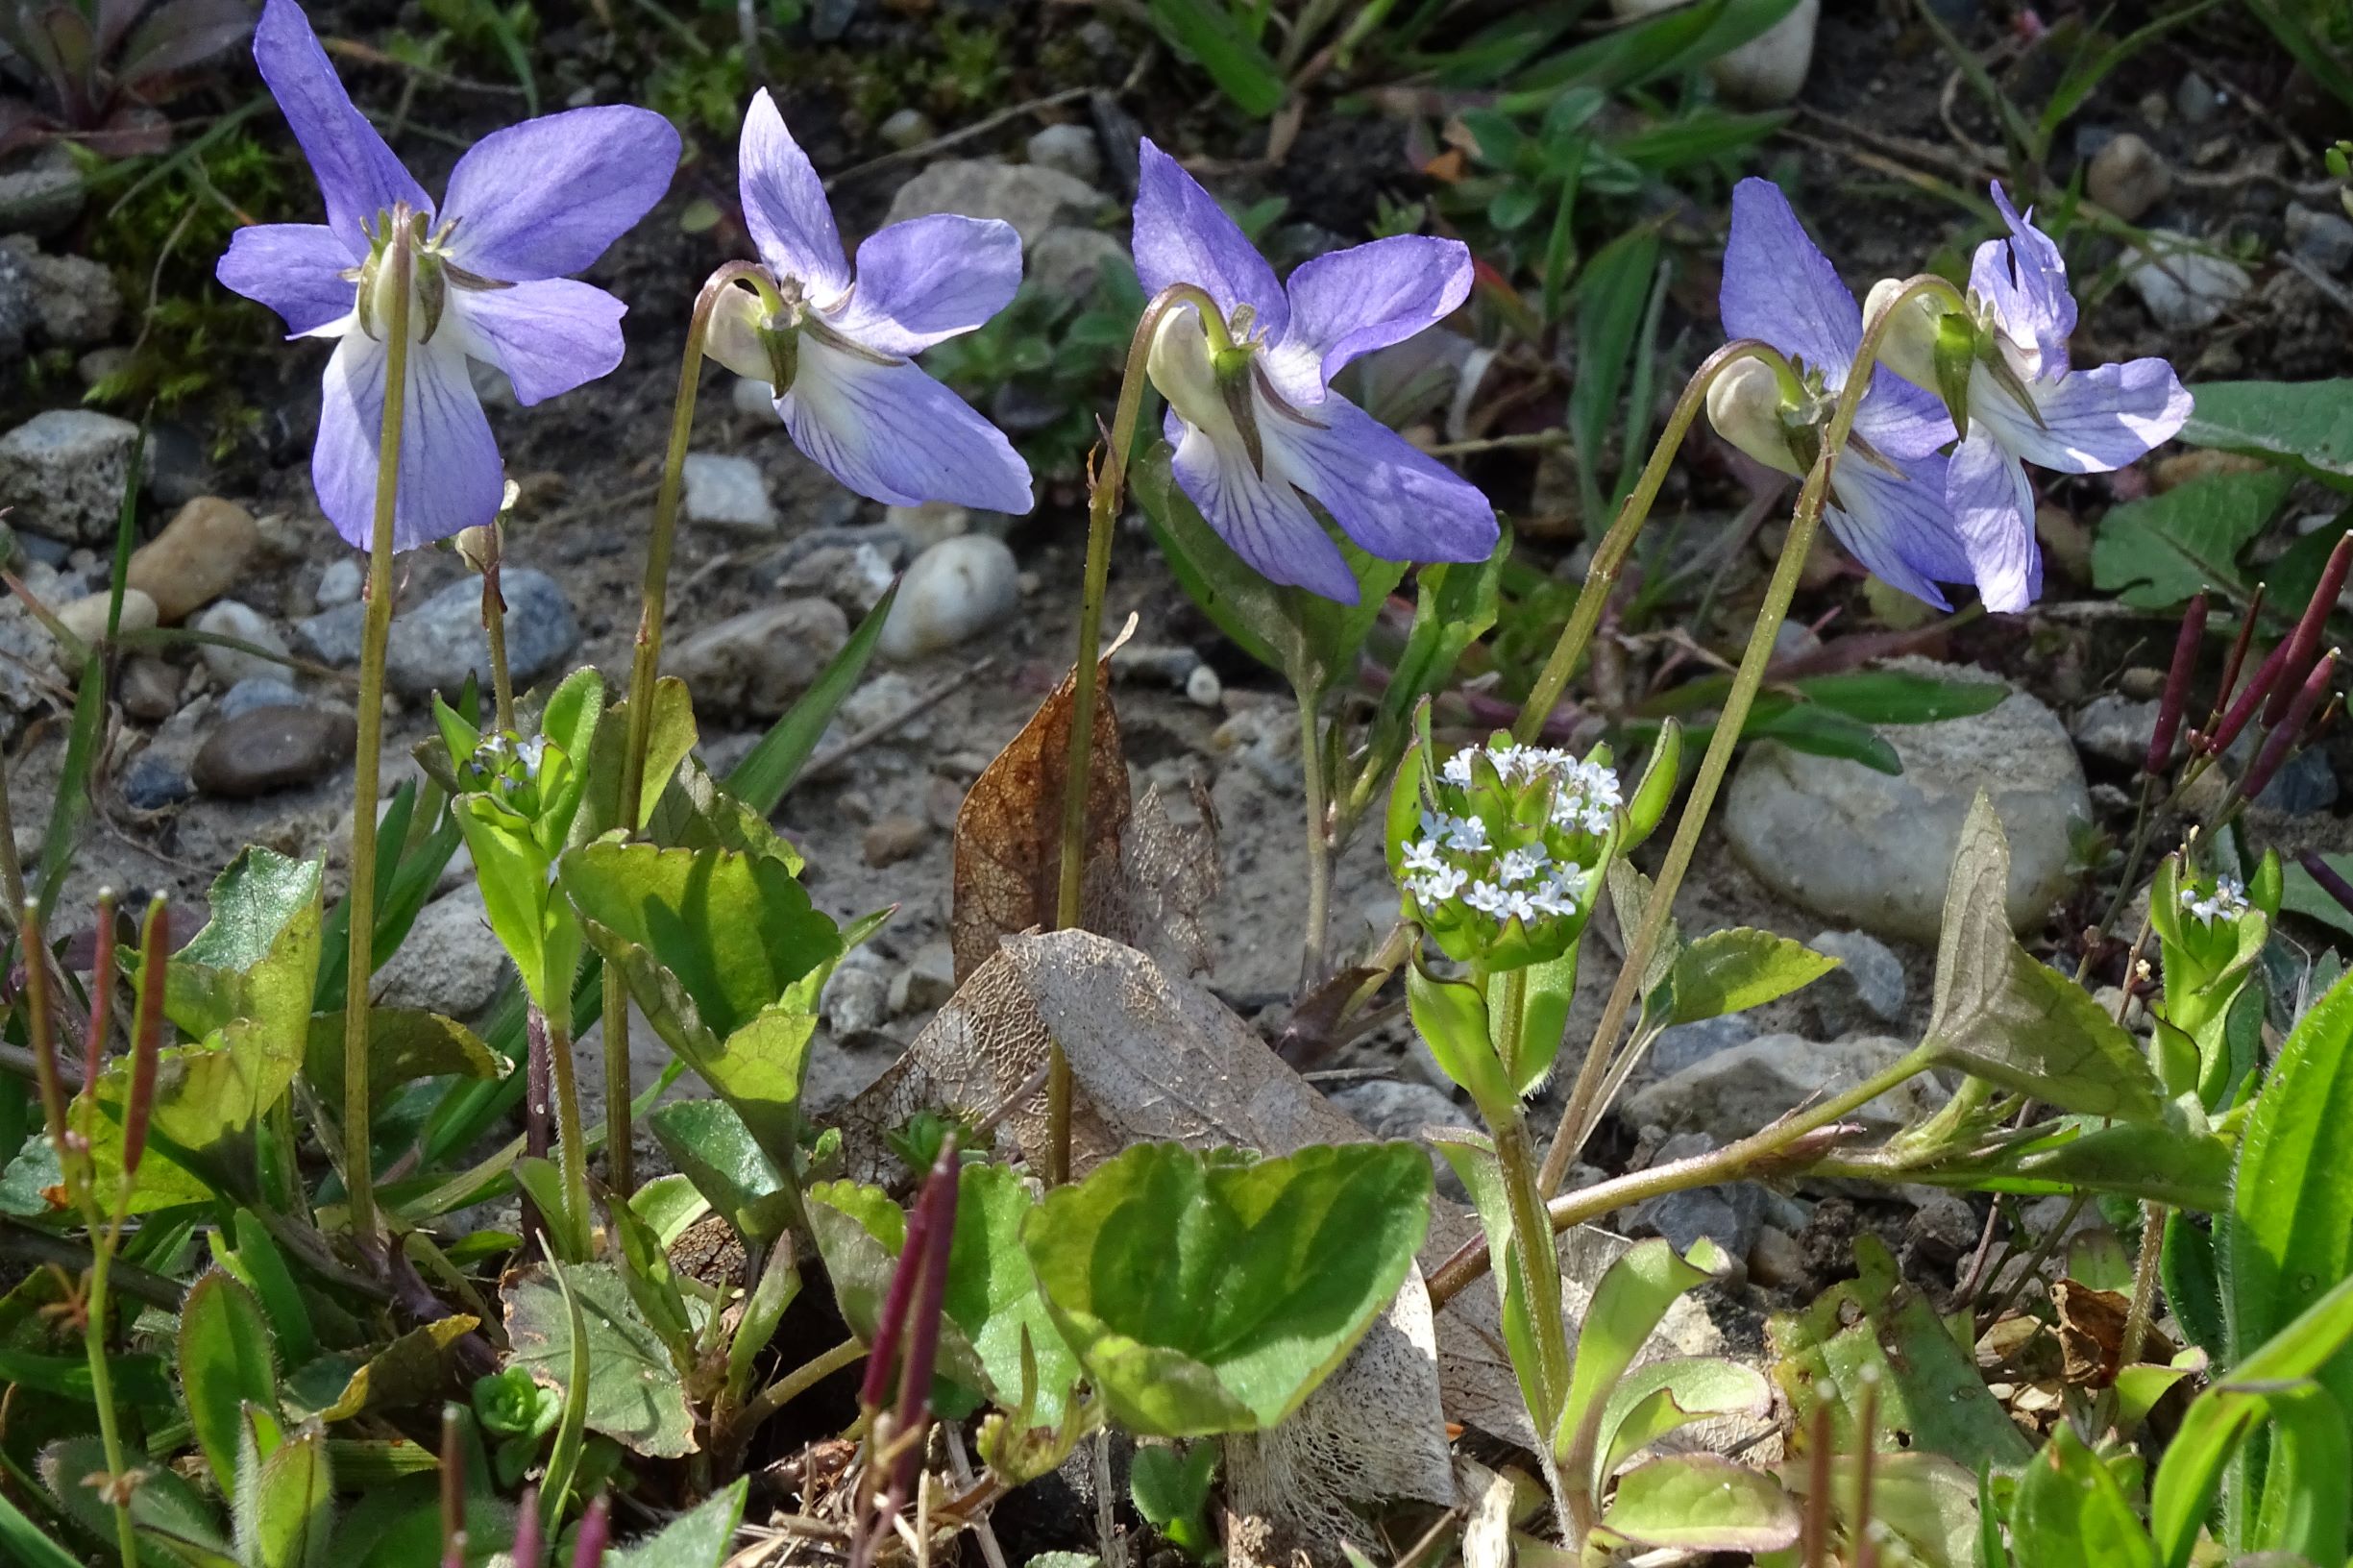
(527, 1529)
(596, 1528)
(146, 1032)
(2308, 628)
(102, 993)
(2268, 675)
(2177, 687)
(2289, 731)
(37, 1025)
(2322, 872)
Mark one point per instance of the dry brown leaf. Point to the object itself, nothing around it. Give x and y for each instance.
(2091, 1334)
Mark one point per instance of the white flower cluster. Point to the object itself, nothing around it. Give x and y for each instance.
(1584, 793)
(1455, 856)
(2227, 901)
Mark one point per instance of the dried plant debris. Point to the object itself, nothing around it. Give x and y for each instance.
(1144, 880)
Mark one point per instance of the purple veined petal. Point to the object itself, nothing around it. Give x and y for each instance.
(1394, 500)
(894, 434)
(1900, 419)
(2093, 420)
(549, 335)
(1263, 520)
(785, 207)
(1352, 302)
(1780, 289)
(356, 172)
(1184, 236)
(294, 268)
(1899, 527)
(543, 199)
(1992, 507)
(928, 279)
(451, 477)
(2024, 278)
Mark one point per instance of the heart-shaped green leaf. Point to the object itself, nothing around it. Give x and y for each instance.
(711, 1145)
(1204, 1296)
(635, 1394)
(1701, 1503)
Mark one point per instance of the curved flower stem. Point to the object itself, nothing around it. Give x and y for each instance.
(645, 666)
(1789, 1144)
(1583, 1106)
(1319, 847)
(1110, 484)
(1610, 556)
(358, 1168)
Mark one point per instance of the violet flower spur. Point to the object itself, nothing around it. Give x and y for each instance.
(1888, 487)
(1256, 426)
(525, 206)
(2003, 369)
(837, 349)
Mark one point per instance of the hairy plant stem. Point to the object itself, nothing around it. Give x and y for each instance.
(570, 1149)
(1105, 494)
(1319, 847)
(1791, 1144)
(1584, 1109)
(493, 627)
(645, 668)
(1610, 556)
(358, 1168)
(2143, 1284)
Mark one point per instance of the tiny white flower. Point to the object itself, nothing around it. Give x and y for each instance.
(1456, 770)
(1422, 856)
(2227, 901)
(1439, 825)
(1468, 834)
(1520, 865)
(1438, 885)
(1557, 895)
(1488, 899)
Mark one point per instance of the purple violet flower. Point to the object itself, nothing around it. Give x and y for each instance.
(2009, 385)
(1888, 490)
(1257, 426)
(839, 354)
(525, 206)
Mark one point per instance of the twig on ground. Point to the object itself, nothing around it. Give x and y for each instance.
(883, 727)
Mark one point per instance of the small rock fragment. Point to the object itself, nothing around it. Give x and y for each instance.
(727, 491)
(2183, 287)
(206, 550)
(62, 473)
(450, 962)
(1768, 70)
(273, 748)
(2128, 177)
(927, 982)
(333, 636)
(75, 302)
(1867, 990)
(156, 780)
(1203, 689)
(231, 618)
(925, 525)
(86, 617)
(1030, 197)
(1777, 1262)
(2115, 728)
(1069, 148)
(44, 196)
(438, 645)
(905, 127)
(857, 997)
(757, 663)
(956, 588)
(893, 839)
(150, 689)
(256, 692)
(2325, 239)
(340, 583)
(2195, 99)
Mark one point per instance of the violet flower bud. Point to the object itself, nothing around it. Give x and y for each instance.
(2176, 687)
(2290, 729)
(596, 1528)
(2306, 634)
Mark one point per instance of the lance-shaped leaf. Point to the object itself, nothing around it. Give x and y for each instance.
(1633, 1295)
(286, 1504)
(177, 1527)
(713, 1146)
(2071, 1508)
(227, 1360)
(1732, 971)
(1701, 1503)
(405, 1043)
(699, 1538)
(1659, 1397)
(1203, 1296)
(2002, 1017)
(635, 1393)
(669, 739)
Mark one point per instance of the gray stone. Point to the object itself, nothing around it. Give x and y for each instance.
(905, 127)
(61, 474)
(2114, 728)
(75, 302)
(1069, 148)
(1736, 1091)
(1768, 70)
(155, 781)
(1028, 196)
(1776, 1260)
(333, 637)
(854, 576)
(2305, 784)
(925, 525)
(1066, 260)
(2195, 100)
(2183, 287)
(756, 397)
(2128, 177)
(203, 552)
(1730, 1215)
(273, 748)
(438, 644)
(955, 589)
(728, 492)
(16, 303)
(856, 1000)
(230, 666)
(257, 692)
(1391, 1107)
(927, 982)
(1867, 990)
(42, 195)
(1875, 850)
(177, 469)
(451, 962)
(150, 689)
(340, 583)
(86, 617)
(830, 19)
(2325, 239)
(757, 663)
(1942, 1229)
(1685, 1043)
